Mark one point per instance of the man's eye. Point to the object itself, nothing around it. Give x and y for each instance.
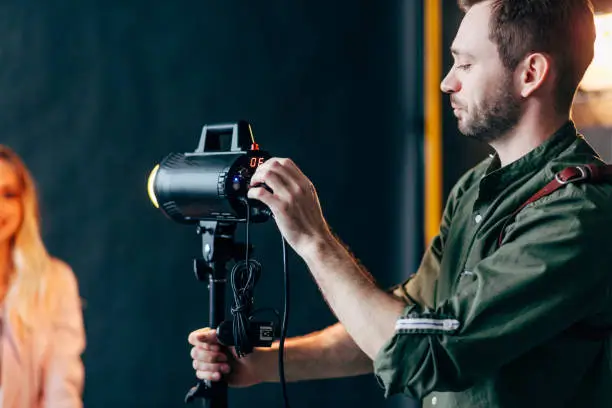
(464, 67)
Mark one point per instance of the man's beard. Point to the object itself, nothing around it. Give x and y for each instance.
(497, 115)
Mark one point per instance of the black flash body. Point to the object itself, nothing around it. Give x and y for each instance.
(211, 183)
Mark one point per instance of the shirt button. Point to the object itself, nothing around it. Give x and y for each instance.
(434, 400)
(478, 218)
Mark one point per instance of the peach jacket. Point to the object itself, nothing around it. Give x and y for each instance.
(45, 369)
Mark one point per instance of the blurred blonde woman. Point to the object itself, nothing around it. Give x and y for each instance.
(42, 335)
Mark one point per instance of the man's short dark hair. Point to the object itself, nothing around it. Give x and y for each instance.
(563, 29)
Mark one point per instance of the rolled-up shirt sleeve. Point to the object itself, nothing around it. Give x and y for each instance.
(549, 273)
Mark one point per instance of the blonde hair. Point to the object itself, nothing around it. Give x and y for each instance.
(31, 261)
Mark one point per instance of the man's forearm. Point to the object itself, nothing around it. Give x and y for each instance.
(367, 313)
(329, 353)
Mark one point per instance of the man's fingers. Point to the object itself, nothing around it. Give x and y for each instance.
(197, 353)
(207, 375)
(292, 168)
(282, 174)
(202, 336)
(209, 346)
(275, 167)
(211, 367)
(209, 359)
(208, 371)
(278, 182)
(263, 195)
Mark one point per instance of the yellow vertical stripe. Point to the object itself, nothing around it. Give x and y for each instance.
(433, 118)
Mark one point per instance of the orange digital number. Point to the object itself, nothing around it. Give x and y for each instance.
(256, 161)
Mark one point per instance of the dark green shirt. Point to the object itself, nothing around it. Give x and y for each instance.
(494, 326)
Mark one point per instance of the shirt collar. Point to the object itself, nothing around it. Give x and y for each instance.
(497, 178)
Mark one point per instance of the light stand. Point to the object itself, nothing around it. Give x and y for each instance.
(218, 248)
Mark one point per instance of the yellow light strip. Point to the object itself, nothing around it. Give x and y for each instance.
(151, 185)
(433, 118)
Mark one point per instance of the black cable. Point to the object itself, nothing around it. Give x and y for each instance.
(243, 277)
(243, 295)
(281, 347)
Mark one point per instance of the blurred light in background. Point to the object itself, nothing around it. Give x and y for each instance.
(599, 74)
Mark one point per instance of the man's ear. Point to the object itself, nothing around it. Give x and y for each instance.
(533, 70)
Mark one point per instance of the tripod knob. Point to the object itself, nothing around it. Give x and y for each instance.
(200, 390)
(214, 393)
(201, 269)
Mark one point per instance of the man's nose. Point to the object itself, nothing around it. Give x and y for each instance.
(450, 84)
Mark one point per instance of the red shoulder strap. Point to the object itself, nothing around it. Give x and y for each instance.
(588, 173)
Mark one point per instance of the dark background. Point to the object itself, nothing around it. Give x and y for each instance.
(95, 93)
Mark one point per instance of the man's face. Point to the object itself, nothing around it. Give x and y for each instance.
(481, 88)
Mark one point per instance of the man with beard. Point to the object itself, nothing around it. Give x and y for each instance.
(511, 305)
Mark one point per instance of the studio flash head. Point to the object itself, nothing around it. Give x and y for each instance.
(211, 183)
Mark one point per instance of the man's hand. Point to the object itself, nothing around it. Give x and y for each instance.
(366, 312)
(294, 203)
(212, 361)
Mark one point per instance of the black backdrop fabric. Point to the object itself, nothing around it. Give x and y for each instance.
(94, 94)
